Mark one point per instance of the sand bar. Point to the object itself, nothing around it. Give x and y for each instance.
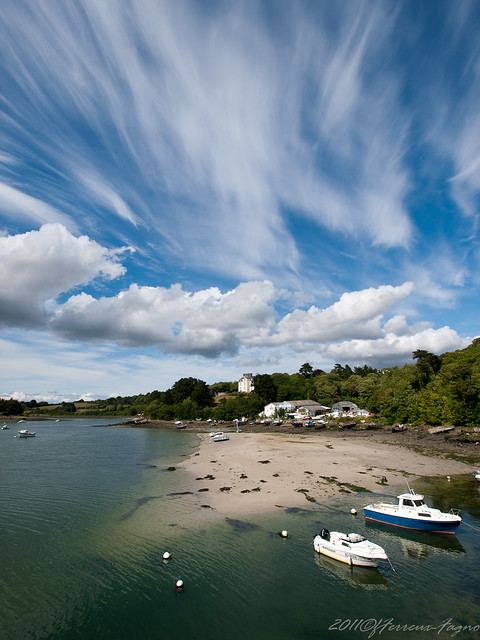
(258, 472)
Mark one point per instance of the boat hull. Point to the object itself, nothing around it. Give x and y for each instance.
(434, 526)
(354, 560)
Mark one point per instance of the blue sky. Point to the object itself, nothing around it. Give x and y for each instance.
(211, 188)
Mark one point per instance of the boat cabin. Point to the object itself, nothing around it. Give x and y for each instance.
(411, 500)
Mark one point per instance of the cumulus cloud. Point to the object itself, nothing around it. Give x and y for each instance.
(40, 265)
(392, 349)
(40, 268)
(206, 322)
(356, 315)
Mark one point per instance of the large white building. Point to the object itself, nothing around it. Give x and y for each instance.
(245, 384)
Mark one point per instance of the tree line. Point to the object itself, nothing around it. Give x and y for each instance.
(433, 390)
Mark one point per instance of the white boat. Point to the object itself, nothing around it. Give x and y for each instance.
(411, 512)
(24, 433)
(220, 437)
(350, 548)
(476, 475)
(5, 426)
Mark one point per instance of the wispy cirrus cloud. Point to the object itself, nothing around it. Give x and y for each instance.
(16, 204)
(225, 122)
(323, 148)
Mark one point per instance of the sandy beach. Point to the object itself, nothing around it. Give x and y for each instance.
(258, 472)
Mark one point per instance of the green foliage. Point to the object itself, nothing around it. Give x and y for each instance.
(306, 370)
(265, 387)
(244, 404)
(435, 390)
(10, 407)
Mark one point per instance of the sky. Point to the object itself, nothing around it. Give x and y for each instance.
(209, 188)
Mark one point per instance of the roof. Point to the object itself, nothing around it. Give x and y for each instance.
(304, 403)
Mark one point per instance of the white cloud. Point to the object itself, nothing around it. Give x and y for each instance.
(40, 265)
(18, 205)
(392, 349)
(107, 196)
(205, 322)
(229, 119)
(356, 314)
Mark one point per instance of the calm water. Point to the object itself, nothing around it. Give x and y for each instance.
(86, 514)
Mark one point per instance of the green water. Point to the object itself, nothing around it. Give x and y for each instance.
(86, 514)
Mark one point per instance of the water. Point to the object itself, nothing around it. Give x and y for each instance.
(86, 514)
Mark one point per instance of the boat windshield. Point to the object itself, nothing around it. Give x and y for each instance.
(419, 503)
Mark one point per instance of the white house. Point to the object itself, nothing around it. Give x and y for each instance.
(245, 384)
(299, 408)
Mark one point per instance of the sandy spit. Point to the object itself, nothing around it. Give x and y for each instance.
(258, 472)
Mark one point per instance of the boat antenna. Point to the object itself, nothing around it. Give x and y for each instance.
(409, 490)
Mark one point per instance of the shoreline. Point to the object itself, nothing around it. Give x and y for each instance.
(260, 472)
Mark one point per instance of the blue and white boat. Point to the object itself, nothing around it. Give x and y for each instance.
(411, 512)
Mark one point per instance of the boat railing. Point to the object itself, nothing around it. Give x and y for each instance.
(454, 512)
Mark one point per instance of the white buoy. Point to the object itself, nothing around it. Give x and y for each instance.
(353, 512)
(167, 555)
(179, 583)
(448, 478)
(284, 534)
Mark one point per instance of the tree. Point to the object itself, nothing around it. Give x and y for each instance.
(265, 387)
(342, 372)
(10, 407)
(428, 364)
(306, 370)
(191, 388)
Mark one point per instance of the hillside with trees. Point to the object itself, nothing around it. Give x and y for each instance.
(433, 390)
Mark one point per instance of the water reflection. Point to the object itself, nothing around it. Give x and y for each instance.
(417, 544)
(460, 492)
(358, 577)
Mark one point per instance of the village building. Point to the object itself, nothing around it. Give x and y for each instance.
(346, 409)
(294, 408)
(245, 384)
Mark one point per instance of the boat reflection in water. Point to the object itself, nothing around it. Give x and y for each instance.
(359, 577)
(418, 544)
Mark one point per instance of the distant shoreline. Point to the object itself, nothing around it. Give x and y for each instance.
(461, 443)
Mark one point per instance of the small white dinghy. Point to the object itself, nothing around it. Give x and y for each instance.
(220, 437)
(350, 548)
(24, 433)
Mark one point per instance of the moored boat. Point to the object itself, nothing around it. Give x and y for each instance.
(350, 548)
(411, 512)
(220, 437)
(24, 433)
(476, 474)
